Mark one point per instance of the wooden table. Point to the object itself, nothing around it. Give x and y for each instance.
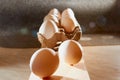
(67, 72)
(102, 62)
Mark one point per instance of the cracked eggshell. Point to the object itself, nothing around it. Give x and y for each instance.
(70, 52)
(44, 62)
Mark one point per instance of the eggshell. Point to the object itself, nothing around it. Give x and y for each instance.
(55, 12)
(52, 17)
(68, 20)
(44, 62)
(48, 29)
(68, 12)
(70, 52)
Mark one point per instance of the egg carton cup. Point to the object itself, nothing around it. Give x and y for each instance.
(75, 35)
(59, 37)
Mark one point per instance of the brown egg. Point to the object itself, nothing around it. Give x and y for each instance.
(70, 52)
(48, 29)
(68, 20)
(54, 15)
(44, 62)
(55, 12)
(53, 18)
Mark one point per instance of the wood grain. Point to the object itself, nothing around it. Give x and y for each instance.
(102, 62)
(67, 72)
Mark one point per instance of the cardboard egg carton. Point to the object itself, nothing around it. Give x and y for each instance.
(59, 37)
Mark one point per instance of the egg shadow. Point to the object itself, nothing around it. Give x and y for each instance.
(56, 77)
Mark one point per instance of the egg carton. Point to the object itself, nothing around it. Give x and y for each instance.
(59, 37)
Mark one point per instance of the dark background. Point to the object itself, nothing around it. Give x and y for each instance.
(21, 19)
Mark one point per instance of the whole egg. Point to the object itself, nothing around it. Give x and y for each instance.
(44, 62)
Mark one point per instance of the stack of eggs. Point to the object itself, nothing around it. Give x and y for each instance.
(58, 35)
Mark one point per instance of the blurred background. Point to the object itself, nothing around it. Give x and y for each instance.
(21, 19)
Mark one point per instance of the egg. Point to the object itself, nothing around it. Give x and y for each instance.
(68, 20)
(44, 62)
(54, 15)
(70, 52)
(53, 18)
(55, 12)
(48, 29)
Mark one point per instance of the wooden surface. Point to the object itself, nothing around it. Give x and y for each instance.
(67, 72)
(102, 62)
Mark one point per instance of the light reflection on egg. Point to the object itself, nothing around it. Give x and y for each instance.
(44, 62)
(70, 52)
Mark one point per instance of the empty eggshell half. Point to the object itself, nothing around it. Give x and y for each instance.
(70, 52)
(44, 62)
(48, 29)
(68, 20)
